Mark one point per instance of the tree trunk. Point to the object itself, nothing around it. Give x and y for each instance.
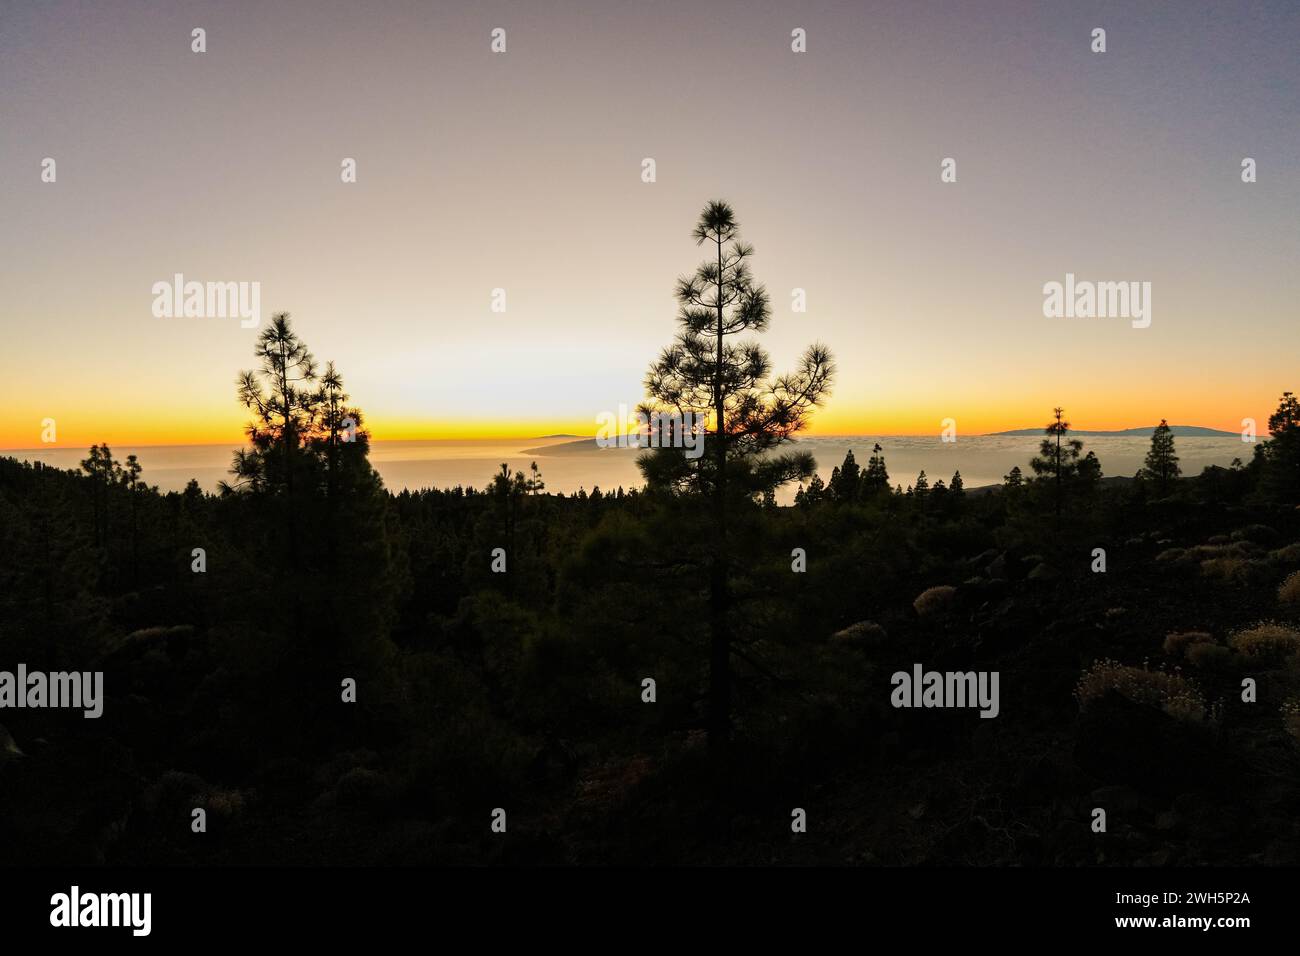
(1058, 474)
(720, 645)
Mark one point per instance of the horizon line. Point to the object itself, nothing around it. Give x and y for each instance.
(64, 446)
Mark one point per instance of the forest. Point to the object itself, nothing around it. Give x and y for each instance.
(336, 673)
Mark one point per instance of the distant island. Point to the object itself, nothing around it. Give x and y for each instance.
(583, 445)
(576, 446)
(1180, 431)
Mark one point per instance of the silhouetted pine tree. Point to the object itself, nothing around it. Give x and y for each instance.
(283, 403)
(1062, 463)
(875, 480)
(104, 473)
(319, 506)
(1278, 458)
(816, 490)
(706, 375)
(1161, 465)
(845, 479)
(1089, 472)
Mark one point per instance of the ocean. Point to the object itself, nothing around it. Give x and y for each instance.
(568, 464)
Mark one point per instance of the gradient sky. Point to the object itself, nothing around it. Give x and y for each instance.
(522, 171)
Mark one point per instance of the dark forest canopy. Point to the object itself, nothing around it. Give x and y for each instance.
(339, 673)
(525, 689)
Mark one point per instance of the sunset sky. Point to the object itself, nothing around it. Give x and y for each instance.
(522, 171)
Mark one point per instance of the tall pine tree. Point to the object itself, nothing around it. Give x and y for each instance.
(1161, 464)
(728, 385)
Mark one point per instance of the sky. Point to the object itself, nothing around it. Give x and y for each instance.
(522, 171)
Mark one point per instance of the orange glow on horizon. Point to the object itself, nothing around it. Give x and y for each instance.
(859, 408)
(130, 431)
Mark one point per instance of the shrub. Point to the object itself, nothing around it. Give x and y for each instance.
(149, 634)
(1233, 570)
(1255, 532)
(1267, 640)
(935, 601)
(7, 746)
(222, 802)
(1291, 718)
(1204, 553)
(360, 787)
(861, 633)
(1290, 554)
(172, 790)
(1209, 657)
(1177, 644)
(1171, 693)
(1289, 591)
(1236, 549)
(1042, 572)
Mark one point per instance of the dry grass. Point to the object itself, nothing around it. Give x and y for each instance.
(222, 802)
(1267, 640)
(1233, 570)
(1288, 554)
(935, 601)
(1173, 557)
(860, 634)
(1172, 693)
